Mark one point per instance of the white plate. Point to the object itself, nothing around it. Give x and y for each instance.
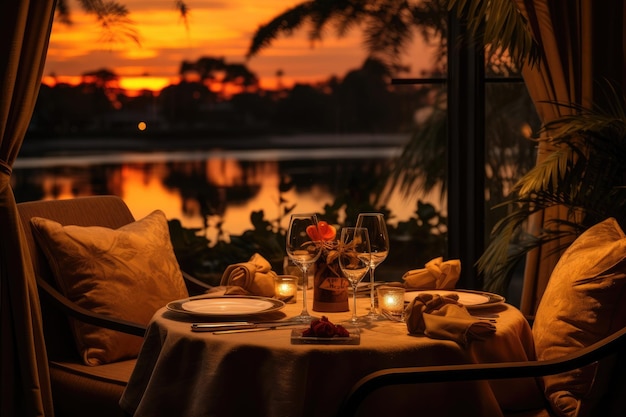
(226, 306)
(469, 298)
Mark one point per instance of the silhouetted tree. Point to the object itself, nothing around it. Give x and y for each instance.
(363, 99)
(206, 68)
(305, 108)
(254, 110)
(213, 71)
(69, 110)
(185, 103)
(239, 75)
(279, 79)
(101, 78)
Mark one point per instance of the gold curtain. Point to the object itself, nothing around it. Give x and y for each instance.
(582, 43)
(24, 379)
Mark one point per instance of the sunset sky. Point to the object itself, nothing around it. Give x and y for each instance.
(218, 28)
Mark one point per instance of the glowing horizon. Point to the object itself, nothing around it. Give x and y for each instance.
(223, 29)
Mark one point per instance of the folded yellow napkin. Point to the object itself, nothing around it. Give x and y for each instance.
(437, 275)
(226, 290)
(255, 276)
(442, 317)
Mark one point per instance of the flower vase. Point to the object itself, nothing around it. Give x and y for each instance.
(330, 288)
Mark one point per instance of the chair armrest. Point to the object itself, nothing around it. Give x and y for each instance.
(472, 372)
(194, 285)
(84, 315)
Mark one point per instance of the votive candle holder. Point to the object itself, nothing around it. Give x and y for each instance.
(391, 302)
(286, 288)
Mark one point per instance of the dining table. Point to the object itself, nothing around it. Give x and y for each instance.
(276, 372)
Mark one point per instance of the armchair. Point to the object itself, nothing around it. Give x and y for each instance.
(579, 335)
(611, 345)
(81, 389)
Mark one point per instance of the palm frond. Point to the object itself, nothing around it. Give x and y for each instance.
(317, 13)
(63, 12)
(183, 9)
(546, 174)
(344, 13)
(586, 174)
(388, 25)
(113, 18)
(380, 39)
(511, 246)
(498, 24)
(422, 164)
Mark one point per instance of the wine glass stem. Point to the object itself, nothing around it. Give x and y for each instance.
(354, 317)
(305, 284)
(372, 293)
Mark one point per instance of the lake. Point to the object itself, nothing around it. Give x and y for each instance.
(228, 184)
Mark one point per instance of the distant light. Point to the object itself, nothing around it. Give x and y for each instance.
(527, 131)
(142, 126)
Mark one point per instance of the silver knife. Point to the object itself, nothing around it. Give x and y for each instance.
(213, 327)
(210, 327)
(253, 329)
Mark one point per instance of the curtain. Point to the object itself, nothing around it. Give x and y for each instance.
(582, 44)
(24, 379)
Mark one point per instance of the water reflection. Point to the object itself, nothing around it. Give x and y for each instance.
(207, 189)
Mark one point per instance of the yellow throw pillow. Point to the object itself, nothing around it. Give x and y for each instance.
(127, 273)
(584, 301)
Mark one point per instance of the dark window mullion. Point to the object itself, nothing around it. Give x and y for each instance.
(466, 145)
(466, 149)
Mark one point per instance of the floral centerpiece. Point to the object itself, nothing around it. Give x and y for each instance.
(330, 288)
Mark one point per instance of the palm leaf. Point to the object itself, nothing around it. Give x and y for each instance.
(585, 174)
(316, 13)
(500, 25)
(388, 25)
(113, 18)
(422, 164)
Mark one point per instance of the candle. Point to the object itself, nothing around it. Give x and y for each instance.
(391, 301)
(286, 288)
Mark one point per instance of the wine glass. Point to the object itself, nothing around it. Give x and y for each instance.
(303, 251)
(354, 259)
(379, 245)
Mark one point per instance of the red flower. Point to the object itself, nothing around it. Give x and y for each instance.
(324, 231)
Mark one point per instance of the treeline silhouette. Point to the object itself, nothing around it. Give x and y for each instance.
(215, 98)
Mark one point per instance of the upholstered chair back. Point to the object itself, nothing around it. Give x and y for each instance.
(106, 211)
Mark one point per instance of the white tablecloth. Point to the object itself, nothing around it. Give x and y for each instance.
(185, 374)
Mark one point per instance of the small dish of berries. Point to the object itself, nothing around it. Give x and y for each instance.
(323, 331)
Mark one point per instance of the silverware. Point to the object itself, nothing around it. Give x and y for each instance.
(260, 329)
(210, 327)
(253, 329)
(279, 323)
(240, 325)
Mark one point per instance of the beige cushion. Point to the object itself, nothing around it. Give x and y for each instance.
(583, 303)
(127, 273)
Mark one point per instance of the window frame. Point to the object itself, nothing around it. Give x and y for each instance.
(465, 147)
